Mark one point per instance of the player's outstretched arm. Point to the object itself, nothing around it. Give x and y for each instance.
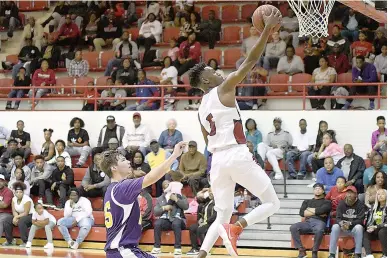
(157, 173)
(257, 50)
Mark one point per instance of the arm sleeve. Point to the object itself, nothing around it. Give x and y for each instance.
(69, 178)
(360, 169)
(161, 139)
(372, 75)
(158, 211)
(135, 51)
(87, 205)
(303, 208)
(86, 179)
(340, 211)
(126, 191)
(106, 182)
(182, 203)
(359, 220)
(323, 209)
(68, 210)
(52, 78)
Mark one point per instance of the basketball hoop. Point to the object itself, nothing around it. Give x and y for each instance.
(313, 16)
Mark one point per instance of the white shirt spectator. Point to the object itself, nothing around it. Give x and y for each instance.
(4, 136)
(248, 44)
(125, 49)
(275, 49)
(19, 207)
(151, 28)
(140, 136)
(290, 23)
(45, 215)
(80, 210)
(381, 64)
(353, 23)
(323, 77)
(65, 155)
(303, 141)
(295, 66)
(78, 68)
(170, 72)
(120, 93)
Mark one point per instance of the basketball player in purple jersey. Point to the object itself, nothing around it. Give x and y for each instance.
(121, 208)
(232, 162)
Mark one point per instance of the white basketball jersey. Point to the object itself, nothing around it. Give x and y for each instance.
(223, 123)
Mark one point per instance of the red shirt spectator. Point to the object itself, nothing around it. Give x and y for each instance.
(361, 47)
(6, 196)
(69, 29)
(338, 60)
(194, 52)
(336, 195)
(43, 75)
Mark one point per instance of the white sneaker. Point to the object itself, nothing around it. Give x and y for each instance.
(278, 176)
(70, 243)
(48, 246)
(311, 185)
(369, 256)
(75, 246)
(28, 245)
(156, 251)
(177, 251)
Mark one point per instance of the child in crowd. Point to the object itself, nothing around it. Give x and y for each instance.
(174, 187)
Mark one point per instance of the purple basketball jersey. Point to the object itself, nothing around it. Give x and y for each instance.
(122, 213)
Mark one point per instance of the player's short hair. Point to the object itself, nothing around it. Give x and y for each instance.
(195, 74)
(109, 159)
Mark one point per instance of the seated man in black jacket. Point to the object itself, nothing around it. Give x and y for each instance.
(210, 30)
(26, 55)
(95, 182)
(60, 182)
(353, 167)
(9, 16)
(315, 211)
(6, 160)
(206, 215)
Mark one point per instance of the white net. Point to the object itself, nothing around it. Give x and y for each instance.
(313, 16)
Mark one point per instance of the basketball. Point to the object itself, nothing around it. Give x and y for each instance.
(258, 20)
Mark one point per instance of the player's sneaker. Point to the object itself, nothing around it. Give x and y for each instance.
(230, 234)
(192, 252)
(177, 251)
(156, 250)
(28, 245)
(49, 246)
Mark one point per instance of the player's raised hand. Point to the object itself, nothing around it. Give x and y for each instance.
(273, 19)
(179, 148)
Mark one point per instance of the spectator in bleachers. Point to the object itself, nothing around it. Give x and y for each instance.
(108, 131)
(311, 59)
(303, 143)
(60, 147)
(290, 63)
(289, 31)
(18, 162)
(78, 141)
(22, 138)
(127, 73)
(130, 15)
(22, 209)
(99, 8)
(40, 173)
(363, 72)
(195, 21)
(113, 144)
(361, 48)
(213, 63)
(106, 93)
(253, 134)
(34, 32)
(109, 31)
(255, 155)
(137, 137)
(337, 38)
(349, 222)
(139, 167)
(150, 32)
(51, 53)
(273, 52)
(61, 180)
(21, 80)
(315, 211)
(337, 194)
(4, 136)
(78, 212)
(322, 129)
(169, 75)
(323, 74)
(9, 17)
(247, 45)
(144, 104)
(90, 92)
(381, 63)
(26, 55)
(171, 217)
(338, 60)
(246, 91)
(376, 224)
(43, 77)
(173, 51)
(189, 54)
(60, 10)
(42, 219)
(77, 11)
(379, 40)
(155, 158)
(377, 165)
(171, 136)
(206, 215)
(125, 49)
(275, 146)
(6, 217)
(95, 182)
(328, 174)
(117, 104)
(167, 14)
(20, 177)
(90, 31)
(68, 34)
(184, 30)
(152, 7)
(146, 209)
(48, 147)
(329, 148)
(6, 161)
(193, 165)
(351, 24)
(379, 181)
(353, 167)
(78, 67)
(379, 140)
(210, 30)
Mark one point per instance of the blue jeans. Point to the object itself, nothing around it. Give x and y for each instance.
(310, 160)
(311, 225)
(84, 225)
(357, 233)
(114, 62)
(295, 155)
(243, 105)
(351, 35)
(141, 107)
(269, 61)
(13, 94)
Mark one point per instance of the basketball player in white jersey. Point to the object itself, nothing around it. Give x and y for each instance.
(232, 162)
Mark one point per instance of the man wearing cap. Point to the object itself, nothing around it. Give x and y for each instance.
(68, 34)
(6, 217)
(275, 146)
(327, 176)
(109, 131)
(193, 165)
(315, 211)
(349, 222)
(156, 157)
(137, 136)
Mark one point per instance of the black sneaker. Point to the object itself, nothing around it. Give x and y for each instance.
(331, 256)
(357, 256)
(291, 177)
(302, 253)
(192, 252)
(314, 254)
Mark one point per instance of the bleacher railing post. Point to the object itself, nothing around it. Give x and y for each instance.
(284, 174)
(269, 223)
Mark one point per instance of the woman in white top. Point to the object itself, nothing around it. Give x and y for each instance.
(22, 209)
(60, 146)
(214, 64)
(42, 219)
(322, 74)
(169, 76)
(20, 177)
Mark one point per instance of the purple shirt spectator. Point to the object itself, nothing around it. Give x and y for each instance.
(368, 73)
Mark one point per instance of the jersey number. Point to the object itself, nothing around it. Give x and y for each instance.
(237, 131)
(108, 215)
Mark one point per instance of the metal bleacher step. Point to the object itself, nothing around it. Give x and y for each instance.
(292, 182)
(293, 204)
(282, 219)
(263, 243)
(263, 228)
(303, 189)
(261, 235)
(295, 196)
